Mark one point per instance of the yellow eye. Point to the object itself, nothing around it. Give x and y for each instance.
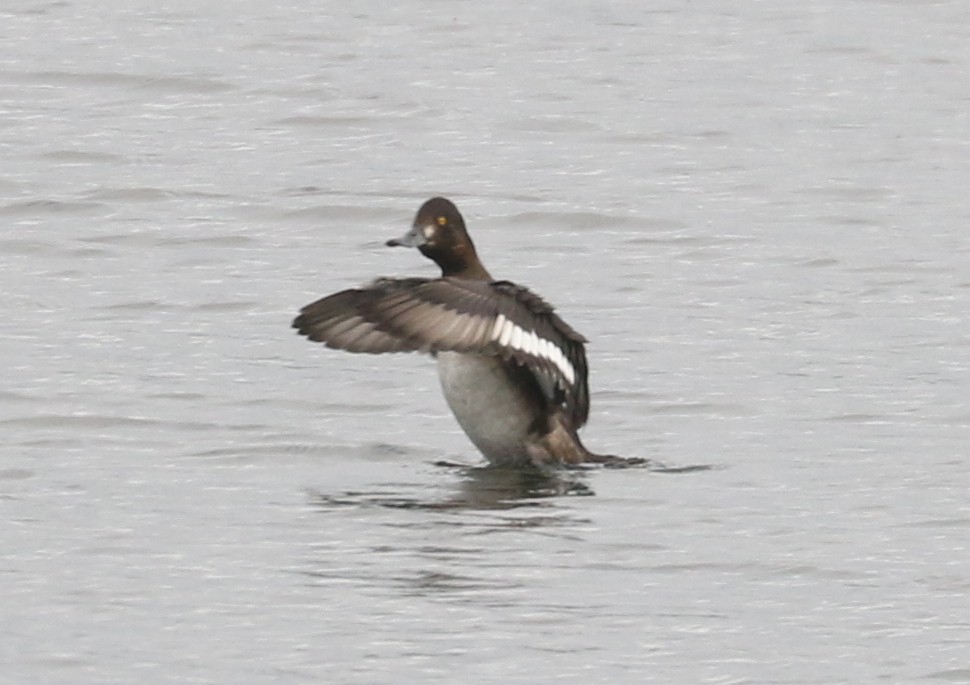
(441, 220)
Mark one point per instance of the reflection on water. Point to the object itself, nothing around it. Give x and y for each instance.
(487, 487)
(444, 546)
(491, 487)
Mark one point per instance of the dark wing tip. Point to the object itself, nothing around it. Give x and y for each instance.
(350, 319)
(302, 325)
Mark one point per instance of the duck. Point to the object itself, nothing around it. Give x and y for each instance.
(512, 371)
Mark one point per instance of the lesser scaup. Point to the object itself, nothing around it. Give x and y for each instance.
(512, 371)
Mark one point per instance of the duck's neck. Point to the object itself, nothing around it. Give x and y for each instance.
(463, 263)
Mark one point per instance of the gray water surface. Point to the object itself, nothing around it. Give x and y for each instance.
(757, 214)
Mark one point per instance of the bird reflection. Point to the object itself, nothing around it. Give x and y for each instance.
(478, 488)
(491, 487)
(484, 488)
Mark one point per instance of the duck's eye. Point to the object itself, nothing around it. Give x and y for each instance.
(441, 221)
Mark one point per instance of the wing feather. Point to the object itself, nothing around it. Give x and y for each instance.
(475, 317)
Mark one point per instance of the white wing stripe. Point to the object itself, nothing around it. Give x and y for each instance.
(507, 328)
(498, 328)
(559, 359)
(507, 334)
(516, 341)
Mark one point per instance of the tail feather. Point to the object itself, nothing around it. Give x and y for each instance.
(560, 444)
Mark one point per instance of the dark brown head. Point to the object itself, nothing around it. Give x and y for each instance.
(439, 232)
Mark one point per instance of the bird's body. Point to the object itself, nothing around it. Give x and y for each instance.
(513, 372)
(493, 410)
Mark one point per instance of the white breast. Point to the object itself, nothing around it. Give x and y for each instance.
(491, 410)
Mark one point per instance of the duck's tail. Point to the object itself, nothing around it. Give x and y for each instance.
(561, 445)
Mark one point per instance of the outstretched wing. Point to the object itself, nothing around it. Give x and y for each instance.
(345, 321)
(475, 317)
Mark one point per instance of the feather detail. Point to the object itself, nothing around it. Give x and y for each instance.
(459, 315)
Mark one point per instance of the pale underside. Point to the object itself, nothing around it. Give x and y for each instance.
(495, 414)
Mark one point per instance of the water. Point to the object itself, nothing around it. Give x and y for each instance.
(756, 214)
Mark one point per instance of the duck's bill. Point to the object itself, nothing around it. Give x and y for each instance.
(413, 238)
